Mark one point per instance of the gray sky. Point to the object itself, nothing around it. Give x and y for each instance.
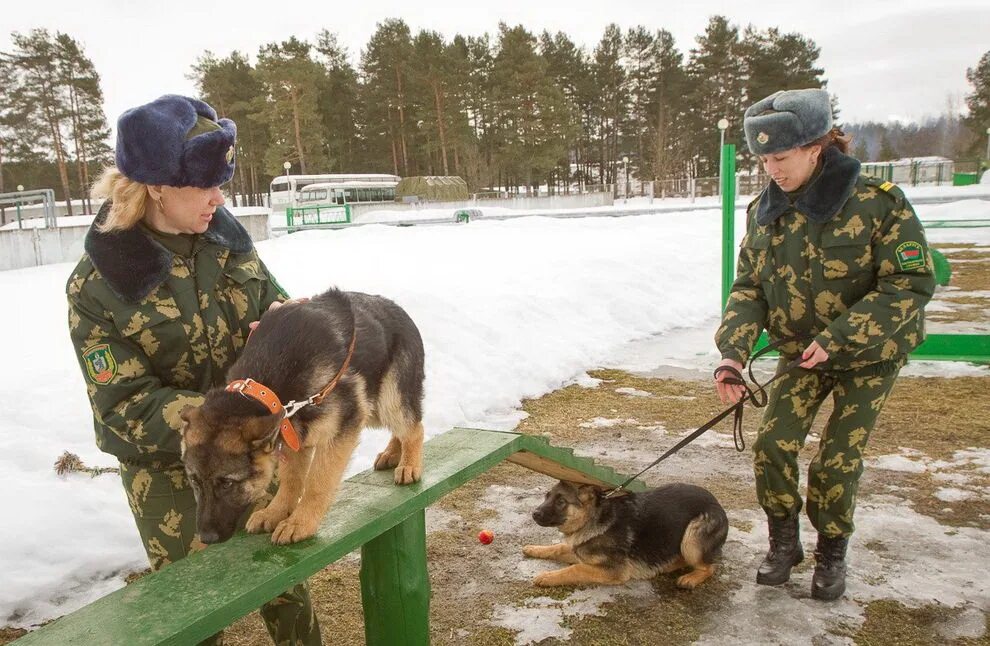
(884, 59)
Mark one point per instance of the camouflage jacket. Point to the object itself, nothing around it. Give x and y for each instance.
(154, 328)
(846, 262)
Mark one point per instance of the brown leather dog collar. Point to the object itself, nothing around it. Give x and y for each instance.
(267, 397)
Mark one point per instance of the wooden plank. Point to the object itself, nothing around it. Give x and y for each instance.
(207, 591)
(197, 596)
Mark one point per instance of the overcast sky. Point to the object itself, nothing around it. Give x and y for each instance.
(884, 59)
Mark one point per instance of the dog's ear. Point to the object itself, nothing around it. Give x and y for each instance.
(257, 431)
(189, 415)
(588, 494)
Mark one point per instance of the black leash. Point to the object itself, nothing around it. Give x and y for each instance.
(759, 398)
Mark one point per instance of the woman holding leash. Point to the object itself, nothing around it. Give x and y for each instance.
(160, 306)
(838, 260)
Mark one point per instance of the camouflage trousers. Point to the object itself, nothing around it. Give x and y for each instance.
(165, 512)
(834, 472)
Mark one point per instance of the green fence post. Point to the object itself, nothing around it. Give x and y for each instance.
(395, 585)
(728, 190)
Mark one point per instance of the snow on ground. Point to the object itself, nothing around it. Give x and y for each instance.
(508, 310)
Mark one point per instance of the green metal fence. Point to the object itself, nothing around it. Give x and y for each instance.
(318, 214)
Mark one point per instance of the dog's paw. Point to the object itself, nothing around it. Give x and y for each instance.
(535, 551)
(545, 580)
(694, 578)
(294, 529)
(265, 520)
(387, 459)
(408, 474)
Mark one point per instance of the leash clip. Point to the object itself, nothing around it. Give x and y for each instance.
(293, 407)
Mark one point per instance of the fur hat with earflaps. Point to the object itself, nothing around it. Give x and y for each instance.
(176, 141)
(787, 119)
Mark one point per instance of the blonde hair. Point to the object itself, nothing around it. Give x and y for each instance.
(128, 197)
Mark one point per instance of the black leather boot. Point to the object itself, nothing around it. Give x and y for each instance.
(829, 580)
(785, 551)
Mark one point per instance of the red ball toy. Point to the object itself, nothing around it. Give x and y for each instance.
(486, 536)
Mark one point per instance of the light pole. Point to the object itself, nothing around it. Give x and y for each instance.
(988, 144)
(20, 188)
(625, 173)
(723, 123)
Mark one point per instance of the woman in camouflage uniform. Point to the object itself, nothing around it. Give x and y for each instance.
(160, 306)
(839, 259)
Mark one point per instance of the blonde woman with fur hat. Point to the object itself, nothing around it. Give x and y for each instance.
(838, 260)
(160, 306)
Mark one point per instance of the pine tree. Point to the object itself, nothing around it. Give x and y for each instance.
(568, 69)
(611, 108)
(290, 79)
(978, 102)
(42, 111)
(384, 66)
(716, 78)
(233, 88)
(89, 127)
(666, 110)
(338, 103)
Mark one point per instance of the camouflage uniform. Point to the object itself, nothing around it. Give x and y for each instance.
(857, 282)
(157, 320)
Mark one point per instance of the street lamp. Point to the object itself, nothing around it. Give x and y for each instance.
(988, 144)
(723, 123)
(20, 187)
(625, 173)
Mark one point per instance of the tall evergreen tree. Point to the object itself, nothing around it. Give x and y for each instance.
(717, 82)
(385, 71)
(664, 155)
(233, 88)
(978, 102)
(569, 69)
(291, 79)
(610, 110)
(42, 107)
(338, 103)
(89, 128)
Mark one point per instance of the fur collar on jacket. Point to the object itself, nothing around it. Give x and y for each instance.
(133, 264)
(822, 199)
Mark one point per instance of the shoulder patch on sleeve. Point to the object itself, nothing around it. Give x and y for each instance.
(101, 367)
(910, 255)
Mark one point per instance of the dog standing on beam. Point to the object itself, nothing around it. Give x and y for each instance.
(232, 443)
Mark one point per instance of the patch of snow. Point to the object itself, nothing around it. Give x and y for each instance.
(605, 422)
(949, 494)
(897, 463)
(633, 392)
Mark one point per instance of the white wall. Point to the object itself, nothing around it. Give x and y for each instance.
(31, 247)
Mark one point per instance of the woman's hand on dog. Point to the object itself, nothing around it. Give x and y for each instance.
(729, 393)
(278, 304)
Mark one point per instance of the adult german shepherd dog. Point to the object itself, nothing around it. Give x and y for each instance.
(231, 444)
(633, 536)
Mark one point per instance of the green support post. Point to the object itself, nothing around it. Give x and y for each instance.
(395, 585)
(728, 192)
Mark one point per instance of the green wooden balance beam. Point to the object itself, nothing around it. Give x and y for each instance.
(203, 593)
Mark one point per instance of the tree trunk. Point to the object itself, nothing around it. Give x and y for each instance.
(443, 139)
(402, 122)
(294, 95)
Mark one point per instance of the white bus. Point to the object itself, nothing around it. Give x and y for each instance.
(295, 190)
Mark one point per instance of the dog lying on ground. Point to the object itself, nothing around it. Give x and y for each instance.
(633, 536)
(230, 444)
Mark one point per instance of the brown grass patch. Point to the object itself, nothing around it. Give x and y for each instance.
(968, 276)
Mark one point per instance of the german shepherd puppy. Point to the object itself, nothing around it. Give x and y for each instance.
(229, 443)
(634, 536)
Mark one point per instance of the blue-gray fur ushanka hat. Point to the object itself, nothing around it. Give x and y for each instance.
(176, 141)
(787, 119)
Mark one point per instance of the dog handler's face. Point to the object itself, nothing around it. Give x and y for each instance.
(790, 169)
(182, 210)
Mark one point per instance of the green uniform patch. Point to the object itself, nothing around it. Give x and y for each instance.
(910, 255)
(100, 364)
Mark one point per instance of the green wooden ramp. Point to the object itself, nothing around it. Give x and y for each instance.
(199, 595)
